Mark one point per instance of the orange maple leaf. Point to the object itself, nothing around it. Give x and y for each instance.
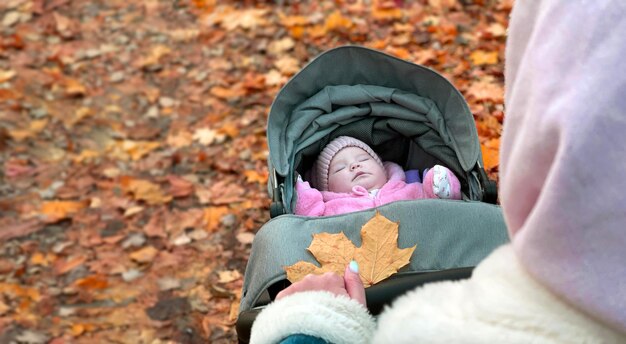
(144, 190)
(480, 57)
(57, 210)
(378, 257)
(491, 151)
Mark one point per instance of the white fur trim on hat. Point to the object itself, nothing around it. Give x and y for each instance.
(320, 169)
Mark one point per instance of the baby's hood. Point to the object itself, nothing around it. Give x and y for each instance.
(563, 154)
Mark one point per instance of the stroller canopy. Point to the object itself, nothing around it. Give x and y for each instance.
(375, 97)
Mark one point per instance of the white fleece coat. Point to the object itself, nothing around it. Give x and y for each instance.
(501, 303)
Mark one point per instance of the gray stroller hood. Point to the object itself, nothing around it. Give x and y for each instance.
(375, 97)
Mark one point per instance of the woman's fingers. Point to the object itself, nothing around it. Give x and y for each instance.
(353, 283)
(349, 285)
(329, 281)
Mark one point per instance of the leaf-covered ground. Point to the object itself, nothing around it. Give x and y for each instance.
(133, 155)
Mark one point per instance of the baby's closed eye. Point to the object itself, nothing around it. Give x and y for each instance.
(338, 168)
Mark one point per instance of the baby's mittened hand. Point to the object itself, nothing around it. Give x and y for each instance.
(441, 182)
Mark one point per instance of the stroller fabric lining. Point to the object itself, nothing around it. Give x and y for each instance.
(374, 114)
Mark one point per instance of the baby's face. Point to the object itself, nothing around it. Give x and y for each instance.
(353, 166)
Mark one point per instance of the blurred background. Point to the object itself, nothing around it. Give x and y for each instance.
(133, 160)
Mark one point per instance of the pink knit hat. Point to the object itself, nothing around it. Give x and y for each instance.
(319, 171)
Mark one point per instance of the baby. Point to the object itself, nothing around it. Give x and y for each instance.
(349, 176)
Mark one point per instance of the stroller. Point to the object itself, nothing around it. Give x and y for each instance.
(408, 114)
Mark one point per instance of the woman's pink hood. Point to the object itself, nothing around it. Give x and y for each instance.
(563, 154)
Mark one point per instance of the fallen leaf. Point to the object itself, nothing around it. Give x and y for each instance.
(154, 56)
(336, 21)
(381, 12)
(247, 19)
(206, 136)
(180, 139)
(20, 229)
(34, 128)
(439, 5)
(41, 259)
(6, 75)
(58, 210)
(287, 65)
(133, 211)
(179, 187)
(74, 88)
(491, 153)
(480, 57)
(228, 93)
(253, 176)
(145, 191)
(497, 30)
(378, 257)
(281, 46)
(245, 238)
(92, 282)
(63, 266)
(135, 150)
(228, 276)
(144, 255)
(155, 227)
(213, 216)
(485, 90)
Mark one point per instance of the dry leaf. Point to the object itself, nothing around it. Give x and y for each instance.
(245, 238)
(281, 46)
(179, 187)
(145, 191)
(228, 276)
(6, 75)
(144, 255)
(213, 216)
(275, 78)
(61, 267)
(34, 128)
(74, 88)
(180, 139)
(385, 11)
(92, 282)
(485, 90)
(154, 56)
(335, 21)
(497, 30)
(155, 227)
(135, 150)
(227, 93)
(378, 257)
(491, 153)
(287, 65)
(41, 259)
(246, 19)
(253, 176)
(57, 210)
(480, 57)
(206, 136)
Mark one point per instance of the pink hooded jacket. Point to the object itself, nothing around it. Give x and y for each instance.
(563, 154)
(312, 202)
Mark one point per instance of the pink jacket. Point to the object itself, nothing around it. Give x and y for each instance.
(312, 202)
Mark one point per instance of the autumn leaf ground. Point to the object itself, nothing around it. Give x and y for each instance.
(133, 155)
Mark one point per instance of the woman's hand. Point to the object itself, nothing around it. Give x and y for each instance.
(349, 285)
